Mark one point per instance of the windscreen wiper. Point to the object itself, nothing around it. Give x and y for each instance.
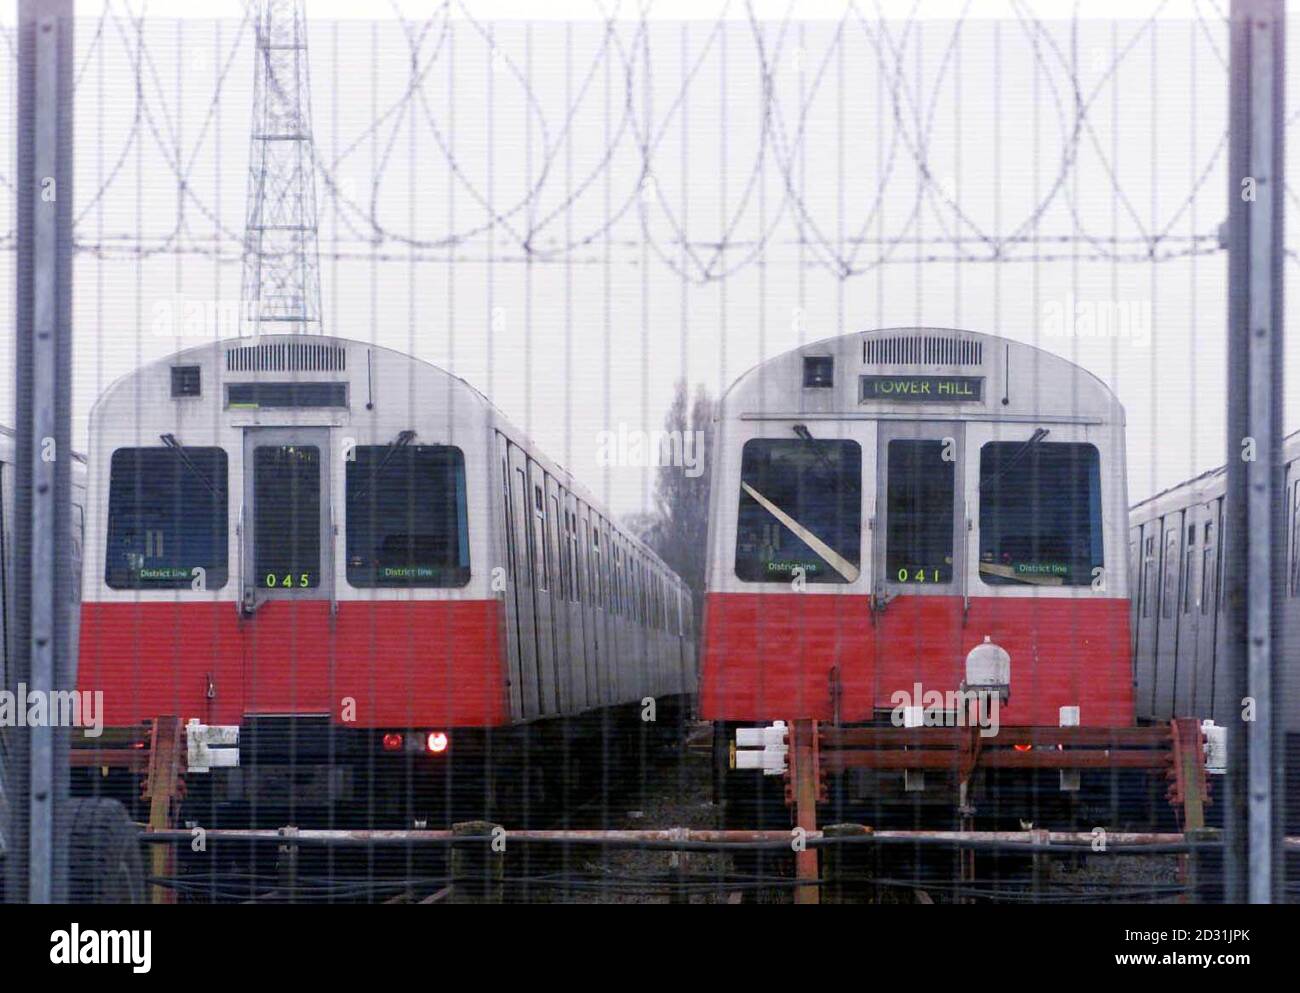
(404, 438)
(170, 441)
(833, 471)
(1038, 435)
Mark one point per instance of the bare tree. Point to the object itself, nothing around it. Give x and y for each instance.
(677, 529)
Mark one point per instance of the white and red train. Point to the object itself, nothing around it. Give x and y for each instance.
(351, 556)
(884, 502)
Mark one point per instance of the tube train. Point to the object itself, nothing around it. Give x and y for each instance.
(76, 524)
(883, 502)
(347, 558)
(76, 537)
(1176, 540)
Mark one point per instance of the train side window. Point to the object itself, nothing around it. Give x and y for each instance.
(609, 579)
(1148, 575)
(1134, 565)
(618, 581)
(1169, 575)
(575, 549)
(641, 592)
(633, 587)
(526, 535)
(633, 592)
(1040, 513)
(606, 579)
(597, 569)
(1189, 573)
(800, 508)
(541, 553)
(510, 518)
(1209, 570)
(630, 600)
(406, 519)
(581, 577)
(628, 585)
(167, 517)
(627, 581)
(562, 586)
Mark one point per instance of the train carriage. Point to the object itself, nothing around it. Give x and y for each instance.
(1176, 559)
(884, 502)
(350, 555)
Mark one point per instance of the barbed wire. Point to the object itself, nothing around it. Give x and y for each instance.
(537, 223)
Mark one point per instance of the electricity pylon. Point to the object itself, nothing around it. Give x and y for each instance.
(281, 288)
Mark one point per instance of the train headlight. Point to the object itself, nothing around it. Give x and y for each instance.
(988, 670)
(436, 742)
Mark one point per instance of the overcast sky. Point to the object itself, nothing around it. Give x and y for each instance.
(870, 183)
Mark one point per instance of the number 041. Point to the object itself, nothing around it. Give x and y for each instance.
(918, 576)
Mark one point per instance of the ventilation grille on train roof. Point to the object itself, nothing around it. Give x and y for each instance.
(287, 356)
(922, 349)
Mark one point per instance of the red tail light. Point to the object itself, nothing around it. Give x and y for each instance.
(392, 742)
(437, 742)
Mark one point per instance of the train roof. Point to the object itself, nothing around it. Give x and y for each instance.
(996, 369)
(1205, 484)
(214, 349)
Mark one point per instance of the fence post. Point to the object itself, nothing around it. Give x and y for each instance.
(806, 779)
(42, 566)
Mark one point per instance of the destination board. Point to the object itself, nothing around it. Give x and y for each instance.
(922, 389)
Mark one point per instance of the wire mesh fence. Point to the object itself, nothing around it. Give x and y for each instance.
(489, 420)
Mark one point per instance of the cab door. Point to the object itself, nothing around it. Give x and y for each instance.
(287, 570)
(920, 517)
(919, 552)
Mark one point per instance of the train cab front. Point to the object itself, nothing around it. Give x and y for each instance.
(280, 560)
(886, 502)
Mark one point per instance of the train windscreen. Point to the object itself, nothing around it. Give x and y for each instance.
(167, 519)
(919, 512)
(1040, 513)
(406, 522)
(800, 509)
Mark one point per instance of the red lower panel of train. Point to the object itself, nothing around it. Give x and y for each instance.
(769, 656)
(397, 664)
